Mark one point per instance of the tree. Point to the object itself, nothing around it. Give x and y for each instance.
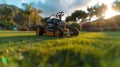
(6, 16)
(91, 12)
(21, 18)
(6, 13)
(69, 18)
(116, 5)
(100, 10)
(35, 17)
(80, 14)
(28, 11)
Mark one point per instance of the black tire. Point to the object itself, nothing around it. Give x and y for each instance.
(61, 32)
(39, 30)
(75, 31)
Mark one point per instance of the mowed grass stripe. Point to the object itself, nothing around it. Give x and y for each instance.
(16, 33)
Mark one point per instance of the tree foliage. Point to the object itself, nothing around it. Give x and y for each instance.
(100, 10)
(19, 17)
(6, 13)
(116, 5)
(91, 12)
(35, 18)
(80, 14)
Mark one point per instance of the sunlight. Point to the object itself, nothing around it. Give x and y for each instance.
(108, 2)
(110, 13)
(63, 18)
(23, 1)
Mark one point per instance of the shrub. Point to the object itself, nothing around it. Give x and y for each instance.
(76, 25)
(7, 24)
(115, 28)
(107, 28)
(86, 26)
(97, 29)
(23, 29)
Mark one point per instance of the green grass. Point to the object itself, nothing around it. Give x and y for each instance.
(89, 49)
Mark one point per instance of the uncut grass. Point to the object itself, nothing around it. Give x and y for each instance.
(100, 49)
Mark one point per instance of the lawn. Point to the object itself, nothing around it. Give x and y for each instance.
(89, 49)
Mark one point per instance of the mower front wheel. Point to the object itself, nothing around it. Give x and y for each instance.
(75, 31)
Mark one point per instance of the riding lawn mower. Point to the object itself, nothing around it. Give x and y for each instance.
(54, 26)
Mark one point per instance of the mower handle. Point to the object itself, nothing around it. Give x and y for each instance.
(60, 13)
(52, 15)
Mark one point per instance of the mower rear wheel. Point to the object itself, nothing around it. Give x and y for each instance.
(61, 32)
(39, 31)
(75, 31)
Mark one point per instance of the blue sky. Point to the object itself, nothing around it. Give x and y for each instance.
(52, 6)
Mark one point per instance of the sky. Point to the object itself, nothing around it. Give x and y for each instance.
(50, 7)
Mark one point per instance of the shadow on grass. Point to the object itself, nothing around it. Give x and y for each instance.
(32, 38)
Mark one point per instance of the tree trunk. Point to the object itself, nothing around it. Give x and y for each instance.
(29, 22)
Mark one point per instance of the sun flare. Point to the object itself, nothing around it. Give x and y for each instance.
(110, 12)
